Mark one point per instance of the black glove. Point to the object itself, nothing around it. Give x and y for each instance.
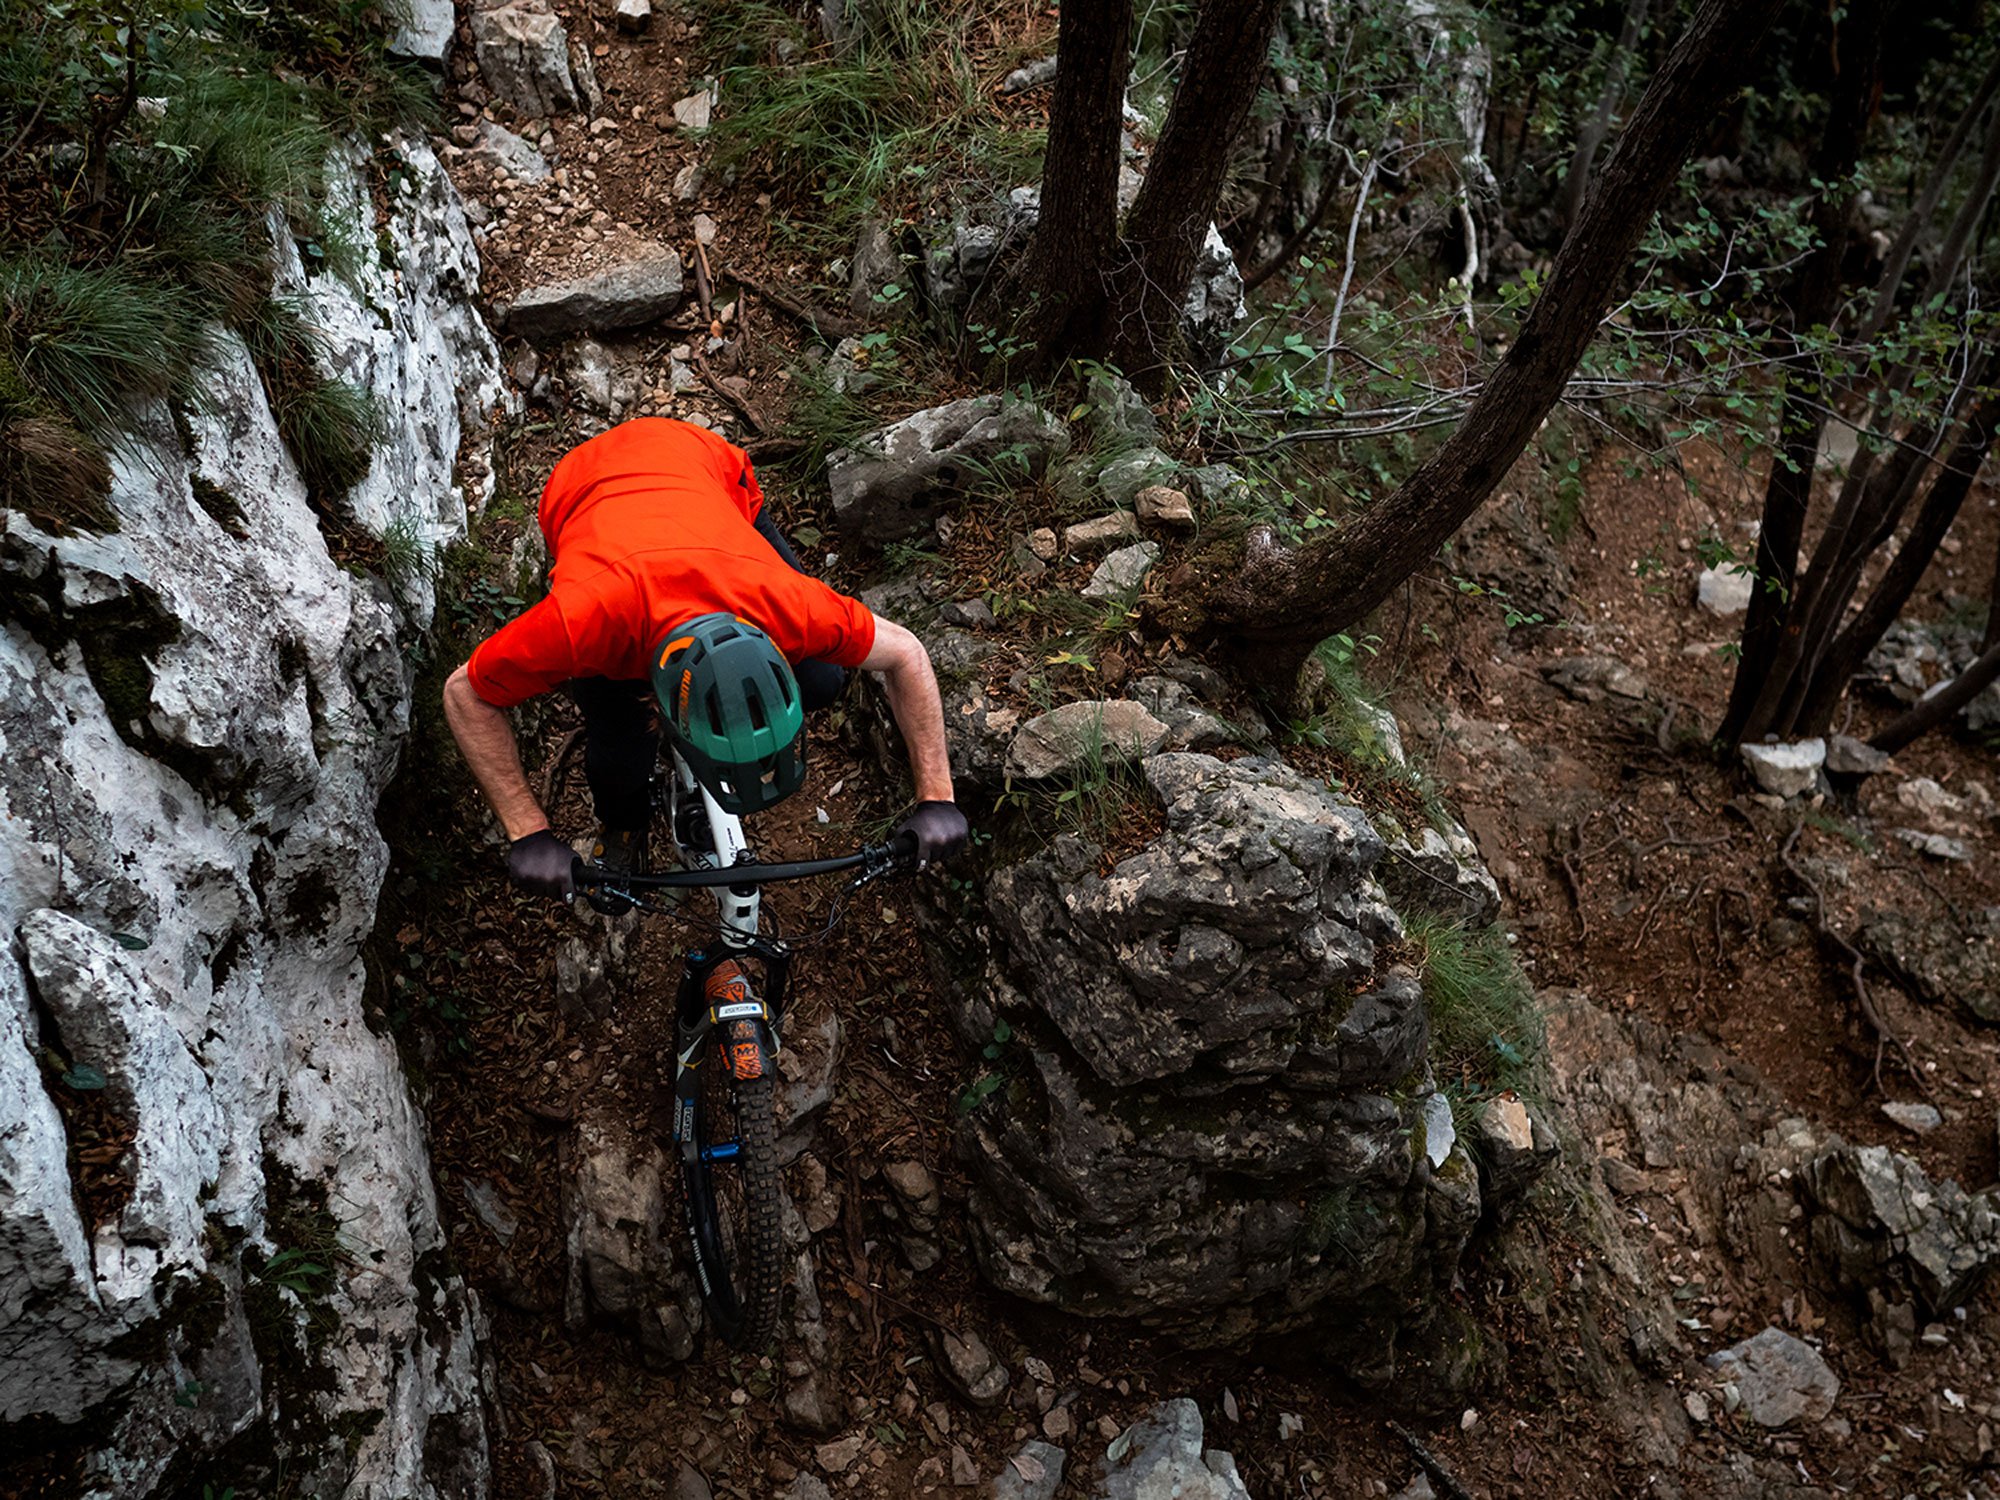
(542, 865)
(937, 830)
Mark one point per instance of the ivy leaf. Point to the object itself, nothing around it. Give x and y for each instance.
(85, 1078)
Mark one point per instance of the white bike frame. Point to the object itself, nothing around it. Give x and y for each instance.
(728, 847)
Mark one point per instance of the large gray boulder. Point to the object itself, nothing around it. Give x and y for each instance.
(1253, 913)
(894, 484)
(523, 54)
(1074, 736)
(640, 285)
(1885, 1226)
(1213, 1117)
(423, 29)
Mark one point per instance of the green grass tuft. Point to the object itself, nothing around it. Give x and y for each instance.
(330, 426)
(1486, 1029)
(864, 130)
(89, 341)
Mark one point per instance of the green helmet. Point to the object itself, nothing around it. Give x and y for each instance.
(730, 702)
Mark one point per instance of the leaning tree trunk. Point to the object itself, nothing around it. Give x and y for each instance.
(1802, 413)
(1063, 276)
(1928, 713)
(1281, 601)
(1220, 75)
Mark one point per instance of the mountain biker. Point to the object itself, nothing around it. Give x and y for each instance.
(662, 553)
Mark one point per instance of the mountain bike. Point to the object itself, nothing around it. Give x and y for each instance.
(727, 1036)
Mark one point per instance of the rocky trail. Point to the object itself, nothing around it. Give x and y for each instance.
(1470, 1089)
(1730, 1117)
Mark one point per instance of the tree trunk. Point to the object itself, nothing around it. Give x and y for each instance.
(1592, 135)
(1283, 601)
(1941, 506)
(1864, 518)
(1220, 75)
(1927, 713)
(1802, 415)
(1898, 260)
(1064, 272)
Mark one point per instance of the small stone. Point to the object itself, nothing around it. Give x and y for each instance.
(1919, 1119)
(1417, 1489)
(1121, 480)
(1847, 756)
(1029, 76)
(1034, 1473)
(964, 1472)
(1440, 1135)
(1121, 574)
(1780, 1379)
(1935, 845)
(915, 1185)
(1042, 542)
(1786, 770)
(1725, 590)
(970, 614)
(641, 286)
(704, 229)
(1166, 508)
(1697, 1407)
(1589, 678)
(838, 1456)
(1067, 737)
(969, 1365)
(808, 1487)
(689, 1484)
(687, 181)
(524, 57)
(694, 111)
(633, 15)
(1101, 534)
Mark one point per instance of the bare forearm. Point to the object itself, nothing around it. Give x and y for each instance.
(487, 742)
(913, 699)
(912, 691)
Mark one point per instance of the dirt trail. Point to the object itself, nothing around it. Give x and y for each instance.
(1658, 934)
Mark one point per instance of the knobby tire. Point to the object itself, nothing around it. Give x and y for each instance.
(746, 1291)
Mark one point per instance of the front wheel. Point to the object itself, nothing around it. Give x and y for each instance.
(732, 1196)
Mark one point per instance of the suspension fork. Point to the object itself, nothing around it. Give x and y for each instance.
(738, 1030)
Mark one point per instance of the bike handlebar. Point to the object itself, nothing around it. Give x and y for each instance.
(873, 860)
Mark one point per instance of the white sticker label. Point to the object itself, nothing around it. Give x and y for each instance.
(742, 1008)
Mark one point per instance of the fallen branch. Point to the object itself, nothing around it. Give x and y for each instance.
(828, 325)
(1446, 1482)
(743, 408)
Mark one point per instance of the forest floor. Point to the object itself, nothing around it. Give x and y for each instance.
(1646, 919)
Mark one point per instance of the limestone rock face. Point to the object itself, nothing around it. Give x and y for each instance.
(198, 714)
(1212, 1117)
